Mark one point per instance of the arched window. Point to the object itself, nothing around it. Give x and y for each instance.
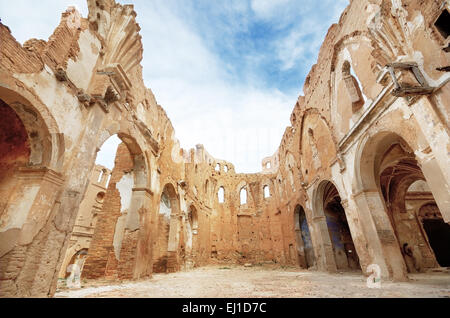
(107, 181)
(243, 196)
(100, 175)
(225, 168)
(266, 192)
(165, 202)
(221, 195)
(107, 155)
(353, 87)
(218, 167)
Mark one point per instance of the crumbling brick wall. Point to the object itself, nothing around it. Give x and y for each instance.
(101, 260)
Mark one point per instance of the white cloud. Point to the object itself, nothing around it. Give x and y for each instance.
(171, 49)
(191, 83)
(295, 49)
(238, 124)
(267, 9)
(235, 123)
(302, 44)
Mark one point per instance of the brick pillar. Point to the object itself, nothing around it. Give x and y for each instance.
(102, 248)
(136, 252)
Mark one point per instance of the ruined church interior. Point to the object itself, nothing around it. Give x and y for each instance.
(357, 192)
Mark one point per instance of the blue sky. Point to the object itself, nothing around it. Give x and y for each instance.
(228, 73)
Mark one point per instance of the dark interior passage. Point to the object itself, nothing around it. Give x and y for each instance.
(14, 151)
(14, 143)
(424, 238)
(438, 233)
(340, 236)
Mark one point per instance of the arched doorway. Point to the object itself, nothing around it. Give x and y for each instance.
(31, 154)
(303, 237)
(77, 260)
(390, 188)
(120, 224)
(86, 220)
(25, 145)
(15, 154)
(341, 239)
(15, 149)
(423, 236)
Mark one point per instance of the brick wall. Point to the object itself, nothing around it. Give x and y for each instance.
(101, 259)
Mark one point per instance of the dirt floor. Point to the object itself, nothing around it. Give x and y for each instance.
(260, 282)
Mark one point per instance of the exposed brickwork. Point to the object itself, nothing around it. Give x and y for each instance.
(128, 256)
(160, 247)
(101, 256)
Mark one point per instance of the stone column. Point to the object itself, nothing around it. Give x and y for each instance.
(195, 252)
(173, 232)
(382, 242)
(136, 252)
(439, 186)
(324, 248)
(78, 170)
(172, 249)
(435, 161)
(357, 233)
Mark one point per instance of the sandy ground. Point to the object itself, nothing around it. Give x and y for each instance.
(260, 282)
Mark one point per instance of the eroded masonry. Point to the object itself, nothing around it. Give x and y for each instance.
(361, 177)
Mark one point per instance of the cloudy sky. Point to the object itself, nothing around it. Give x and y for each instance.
(228, 72)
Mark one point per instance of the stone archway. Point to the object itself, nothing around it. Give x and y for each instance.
(385, 168)
(336, 250)
(412, 210)
(77, 259)
(344, 249)
(30, 156)
(123, 226)
(15, 149)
